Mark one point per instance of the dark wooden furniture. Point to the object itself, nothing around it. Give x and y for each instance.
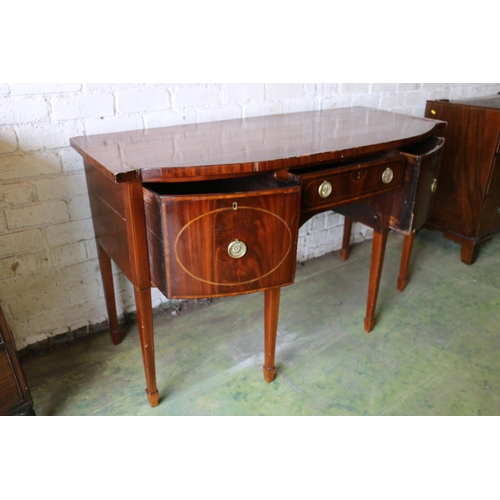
(213, 209)
(467, 204)
(15, 397)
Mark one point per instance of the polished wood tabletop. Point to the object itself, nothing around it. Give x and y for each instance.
(249, 145)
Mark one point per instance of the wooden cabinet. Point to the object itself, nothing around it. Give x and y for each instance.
(15, 397)
(467, 203)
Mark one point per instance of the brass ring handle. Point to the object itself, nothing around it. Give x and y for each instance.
(434, 184)
(237, 249)
(387, 175)
(325, 189)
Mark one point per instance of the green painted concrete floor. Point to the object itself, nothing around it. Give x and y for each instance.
(435, 348)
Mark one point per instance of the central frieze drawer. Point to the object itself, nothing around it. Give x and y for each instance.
(214, 238)
(340, 184)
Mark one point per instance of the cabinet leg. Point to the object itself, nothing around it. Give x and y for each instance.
(468, 252)
(346, 240)
(109, 294)
(405, 260)
(377, 260)
(271, 313)
(145, 324)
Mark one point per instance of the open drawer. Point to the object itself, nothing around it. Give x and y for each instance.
(221, 237)
(413, 201)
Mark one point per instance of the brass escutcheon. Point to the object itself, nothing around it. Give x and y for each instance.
(325, 189)
(387, 176)
(237, 249)
(434, 185)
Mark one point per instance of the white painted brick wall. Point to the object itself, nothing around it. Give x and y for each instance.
(145, 101)
(49, 278)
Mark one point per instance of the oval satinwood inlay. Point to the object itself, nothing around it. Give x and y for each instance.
(215, 230)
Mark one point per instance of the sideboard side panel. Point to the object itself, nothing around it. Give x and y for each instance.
(108, 215)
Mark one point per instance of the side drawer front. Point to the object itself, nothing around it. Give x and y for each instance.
(350, 184)
(413, 201)
(200, 230)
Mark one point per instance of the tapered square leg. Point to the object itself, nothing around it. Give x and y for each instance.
(271, 313)
(109, 294)
(405, 260)
(145, 323)
(346, 240)
(377, 260)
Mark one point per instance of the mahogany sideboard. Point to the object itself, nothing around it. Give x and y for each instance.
(467, 207)
(15, 396)
(213, 209)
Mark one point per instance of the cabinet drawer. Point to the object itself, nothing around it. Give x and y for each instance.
(346, 183)
(214, 238)
(490, 216)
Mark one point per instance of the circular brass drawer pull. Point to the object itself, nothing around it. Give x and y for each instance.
(325, 189)
(434, 185)
(237, 249)
(387, 175)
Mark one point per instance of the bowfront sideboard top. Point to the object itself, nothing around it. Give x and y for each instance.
(249, 145)
(214, 209)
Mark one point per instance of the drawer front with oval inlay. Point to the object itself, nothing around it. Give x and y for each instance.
(217, 244)
(349, 183)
